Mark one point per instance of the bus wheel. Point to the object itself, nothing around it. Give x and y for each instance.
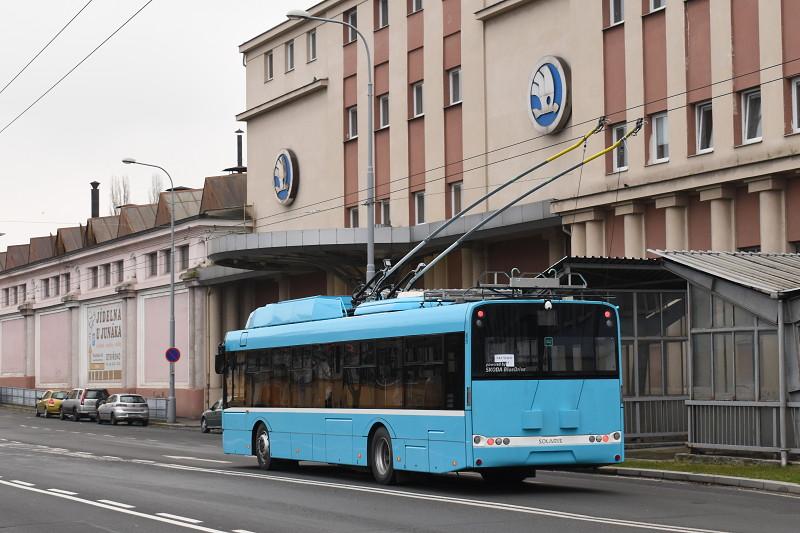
(506, 476)
(381, 457)
(262, 448)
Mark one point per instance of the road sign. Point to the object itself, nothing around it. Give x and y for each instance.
(173, 354)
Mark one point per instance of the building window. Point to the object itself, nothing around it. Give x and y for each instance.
(383, 13)
(620, 156)
(659, 135)
(351, 17)
(751, 116)
(352, 122)
(657, 4)
(454, 78)
(455, 198)
(704, 127)
(383, 111)
(352, 214)
(106, 274)
(417, 107)
(289, 47)
(56, 286)
(45, 288)
(617, 14)
(419, 207)
(4, 301)
(416, 5)
(94, 280)
(167, 259)
(796, 105)
(311, 45)
(119, 271)
(65, 283)
(268, 66)
(152, 264)
(183, 255)
(12, 296)
(386, 219)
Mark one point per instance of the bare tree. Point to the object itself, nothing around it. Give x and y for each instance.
(120, 193)
(156, 186)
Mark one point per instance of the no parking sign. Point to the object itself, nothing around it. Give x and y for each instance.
(173, 354)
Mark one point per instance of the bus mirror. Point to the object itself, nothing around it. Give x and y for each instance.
(219, 360)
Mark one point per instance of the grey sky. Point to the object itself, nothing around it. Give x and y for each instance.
(165, 90)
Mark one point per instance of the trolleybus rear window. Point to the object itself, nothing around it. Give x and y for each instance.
(526, 341)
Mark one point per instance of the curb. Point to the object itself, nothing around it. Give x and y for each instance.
(710, 479)
(177, 425)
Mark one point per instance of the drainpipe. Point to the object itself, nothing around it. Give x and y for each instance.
(782, 383)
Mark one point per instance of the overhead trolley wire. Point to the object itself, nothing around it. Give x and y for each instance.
(59, 32)
(70, 71)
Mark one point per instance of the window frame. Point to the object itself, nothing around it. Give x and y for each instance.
(351, 17)
(168, 261)
(451, 74)
(152, 264)
(106, 274)
(352, 122)
(288, 52)
(419, 214)
(65, 279)
(698, 127)
(613, 15)
(383, 15)
(653, 7)
(119, 270)
(795, 88)
(386, 212)
(416, 6)
(269, 66)
(352, 215)
(183, 258)
(456, 192)
(746, 99)
(94, 277)
(383, 114)
(311, 45)
(45, 282)
(615, 136)
(418, 103)
(654, 159)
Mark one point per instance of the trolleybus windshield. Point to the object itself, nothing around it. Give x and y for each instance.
(524, 341)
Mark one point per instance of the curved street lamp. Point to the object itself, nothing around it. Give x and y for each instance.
(171, 397)
(299, 14)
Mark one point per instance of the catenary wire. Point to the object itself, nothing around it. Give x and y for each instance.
(64, 27)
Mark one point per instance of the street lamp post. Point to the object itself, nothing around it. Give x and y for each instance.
(305, 15)
(171, 397)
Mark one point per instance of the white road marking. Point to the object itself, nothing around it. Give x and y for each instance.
(111, 436)
(196, 459)
(22, 483)
(118, 504)
(242, 531)
(143, 461)
(92, 434)
(112, 457)
(60, 491)
(117, 509)
(456, 501)
(62, 430)
(177, 517)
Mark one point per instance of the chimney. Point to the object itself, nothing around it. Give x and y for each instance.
(95, 199)
(239, 148)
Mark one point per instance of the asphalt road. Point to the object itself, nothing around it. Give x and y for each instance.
(65, 476)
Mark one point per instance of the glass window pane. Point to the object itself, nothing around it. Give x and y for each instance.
(650, 369)
(723, 313)
(701, 366)
(625, 302)
(745, 365)
(675, 371)
(706, 126)
(628, 369)
(701, 308)
(723, 366)
(753, 110)
(768, 365)
(674, 314)
(649, 314)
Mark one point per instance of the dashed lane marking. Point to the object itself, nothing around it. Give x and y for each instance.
(197, 459)
(130, 512)
(117, 504)
(143, 461)
(22, 483)
(178, 517)
(61, 491)
(242, 531)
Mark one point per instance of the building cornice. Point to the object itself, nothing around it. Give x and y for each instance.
(284, 99)
(499, 8)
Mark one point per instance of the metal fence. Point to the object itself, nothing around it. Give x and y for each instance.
(753, 426)
(27, 398)
(656, 417)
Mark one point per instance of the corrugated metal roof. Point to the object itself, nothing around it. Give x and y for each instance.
(187, 205)
(102, 229)
(42, 248)
(17, 255)
(135, 218)
(70, 239)
(223, 192)
(2, 260)
(772, 274)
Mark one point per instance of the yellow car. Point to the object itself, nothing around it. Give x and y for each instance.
(50, 403)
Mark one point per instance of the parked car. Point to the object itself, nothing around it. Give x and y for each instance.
(50, 403)
(212, 418)
(123, 407)
(82, 402)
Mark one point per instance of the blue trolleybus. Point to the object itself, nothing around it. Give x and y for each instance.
(497, 386)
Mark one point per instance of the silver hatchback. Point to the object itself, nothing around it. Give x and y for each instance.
(123, 408)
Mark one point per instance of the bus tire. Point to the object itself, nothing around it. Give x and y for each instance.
(506, 476)
(261, 447)
(381, 457)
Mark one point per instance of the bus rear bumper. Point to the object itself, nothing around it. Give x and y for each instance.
(548, 451)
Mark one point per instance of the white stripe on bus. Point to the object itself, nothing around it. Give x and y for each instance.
(311, 410)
